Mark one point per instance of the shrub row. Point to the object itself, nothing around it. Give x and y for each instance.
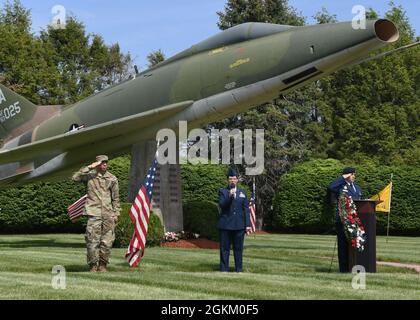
(42, 207)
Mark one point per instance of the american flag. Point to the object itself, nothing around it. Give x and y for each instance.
(77, 209)
(139, 214)
(252, 212)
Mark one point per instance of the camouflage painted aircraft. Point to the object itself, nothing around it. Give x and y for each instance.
(229, 73)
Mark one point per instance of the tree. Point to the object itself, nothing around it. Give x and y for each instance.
(372, 110)
(85, 63)
(155, 58)
(324, 16)
(25, 64)
(60, 66)
(273, 11)
(14, 14)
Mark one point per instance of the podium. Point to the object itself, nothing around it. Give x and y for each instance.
(367, 258)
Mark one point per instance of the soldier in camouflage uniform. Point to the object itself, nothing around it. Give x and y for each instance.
(102, 208)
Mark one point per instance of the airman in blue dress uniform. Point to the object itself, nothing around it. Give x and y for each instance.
(234, 222)
(348, 177)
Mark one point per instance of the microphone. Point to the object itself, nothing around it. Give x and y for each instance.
(232, 186)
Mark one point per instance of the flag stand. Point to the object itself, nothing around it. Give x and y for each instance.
(389, 213)
(333, 255)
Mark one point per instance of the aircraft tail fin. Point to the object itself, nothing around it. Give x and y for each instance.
(15, 110)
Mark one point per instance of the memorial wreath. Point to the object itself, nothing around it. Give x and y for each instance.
(353, 228)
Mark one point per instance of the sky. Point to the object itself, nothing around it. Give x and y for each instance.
(143, 26)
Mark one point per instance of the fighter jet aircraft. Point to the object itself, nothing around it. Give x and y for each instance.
(229, 73)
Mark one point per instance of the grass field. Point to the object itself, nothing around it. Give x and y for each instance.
(275, 267)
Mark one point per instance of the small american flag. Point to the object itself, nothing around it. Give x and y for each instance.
(139, 214)
(77, 209)
(252, 212)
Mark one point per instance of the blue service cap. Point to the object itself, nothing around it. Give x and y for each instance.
(232, 173)
(349, 170)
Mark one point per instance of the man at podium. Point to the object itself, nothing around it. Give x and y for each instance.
(347, 178)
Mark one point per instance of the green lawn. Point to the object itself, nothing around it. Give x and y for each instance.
(275, 267)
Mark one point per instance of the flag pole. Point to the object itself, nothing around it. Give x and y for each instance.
(255, 197)
(157, 149)
(389, 213)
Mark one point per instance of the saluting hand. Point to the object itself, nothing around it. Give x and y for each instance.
(94, 165)
(346, 176)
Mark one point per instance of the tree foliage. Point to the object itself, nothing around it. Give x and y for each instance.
(155, 57)
(60, 66)
(84, 62)
(273, 11)
(372, 110)
(324, 16)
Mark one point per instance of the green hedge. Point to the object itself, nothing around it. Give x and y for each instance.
(301, 203)
(201, 217)
(202, 182)
(41, 207)
(125, 228)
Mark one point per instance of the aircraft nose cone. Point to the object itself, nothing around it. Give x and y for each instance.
(386, 31)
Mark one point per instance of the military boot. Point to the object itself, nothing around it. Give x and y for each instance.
(93, 268)
(102, 267)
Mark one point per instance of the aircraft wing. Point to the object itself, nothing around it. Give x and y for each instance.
(64, 142)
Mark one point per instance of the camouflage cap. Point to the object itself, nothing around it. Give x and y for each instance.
(101, 158)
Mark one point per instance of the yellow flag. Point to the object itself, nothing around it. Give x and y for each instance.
(385, 196)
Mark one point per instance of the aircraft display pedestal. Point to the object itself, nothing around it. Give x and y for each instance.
(167, 192)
